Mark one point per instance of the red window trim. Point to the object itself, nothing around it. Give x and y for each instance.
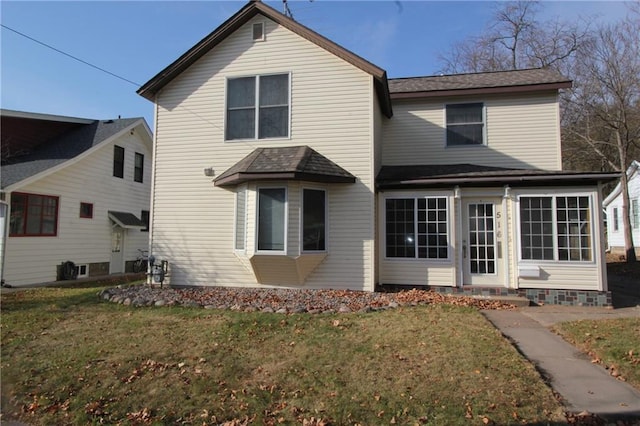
(24, 225)
(84, 216)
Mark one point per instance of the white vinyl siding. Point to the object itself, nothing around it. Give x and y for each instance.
(330, 112)
(83, 241)
(520, 131)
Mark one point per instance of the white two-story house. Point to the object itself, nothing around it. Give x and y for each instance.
(283, 160)
(74, 198)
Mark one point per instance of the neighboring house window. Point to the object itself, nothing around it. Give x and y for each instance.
(144, 217)
(33, 215)
(118, 161)
(616, 224)
(313, 220)
(465, 124)
(272, 203)
(86, 210)
(258, 107)
(635, 214)
(138, 170)
(417, 228)
(241, 219)
(555, 228)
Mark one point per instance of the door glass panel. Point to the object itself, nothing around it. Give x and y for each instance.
(482, 259)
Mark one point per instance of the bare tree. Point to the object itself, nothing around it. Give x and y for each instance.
(603, 115)
(515, 39)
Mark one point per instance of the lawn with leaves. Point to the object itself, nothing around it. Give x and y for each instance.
(70, 358)
(614, 343)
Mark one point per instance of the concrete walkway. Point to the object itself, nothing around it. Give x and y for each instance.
(584, 386)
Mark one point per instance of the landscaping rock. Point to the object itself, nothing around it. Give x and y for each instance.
(283, 301)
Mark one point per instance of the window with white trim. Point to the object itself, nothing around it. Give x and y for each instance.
(314, 220)
(556, 227)
(465, 124)
(272, 219)
(417, 228)
(241, 218)
(616, 222)
(635, 215)
(257, 107)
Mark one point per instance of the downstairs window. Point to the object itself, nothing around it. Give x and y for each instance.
(417, 228)
(556, 228)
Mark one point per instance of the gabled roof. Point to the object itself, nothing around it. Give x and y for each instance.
(397, 177)
(251, 9)
(478, 83)
(633, 170)
(288, 163)
(61, 148)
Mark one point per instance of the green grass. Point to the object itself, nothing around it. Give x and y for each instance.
(70, 358)
(615, 343)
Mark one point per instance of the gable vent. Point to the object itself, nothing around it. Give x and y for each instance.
(258, 31)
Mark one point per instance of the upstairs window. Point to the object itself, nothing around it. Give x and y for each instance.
(465, 124)
(118, 161)
(257, 31)
(138, 169)
(258, 107)
(33, 215)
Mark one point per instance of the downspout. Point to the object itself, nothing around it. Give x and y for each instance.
(152, 191)
(4, 215)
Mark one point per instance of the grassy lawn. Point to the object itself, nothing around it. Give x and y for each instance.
(614, 343)
(70, 358)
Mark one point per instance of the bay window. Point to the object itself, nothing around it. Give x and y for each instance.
(313, 220)
(272, 203)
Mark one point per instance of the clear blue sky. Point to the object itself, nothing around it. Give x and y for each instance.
(136, 40)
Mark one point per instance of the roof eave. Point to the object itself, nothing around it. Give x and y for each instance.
(482, 90)
(546, 179)
(239, 178)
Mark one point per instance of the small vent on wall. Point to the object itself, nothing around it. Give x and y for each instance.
(258, 31)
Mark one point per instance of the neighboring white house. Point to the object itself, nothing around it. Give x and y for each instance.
(282, 159)
(613, 208)
(75, 190)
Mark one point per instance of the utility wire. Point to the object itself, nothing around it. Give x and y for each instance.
(71, 56)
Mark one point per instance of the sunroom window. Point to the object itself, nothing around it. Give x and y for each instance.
(556, 228)
(465, 124)
(258, 107)
(417, 228)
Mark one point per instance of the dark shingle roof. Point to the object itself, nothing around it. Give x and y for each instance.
(126, 220)
(395, 177)
(61, 149)
(287, 163)
(499, 81)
